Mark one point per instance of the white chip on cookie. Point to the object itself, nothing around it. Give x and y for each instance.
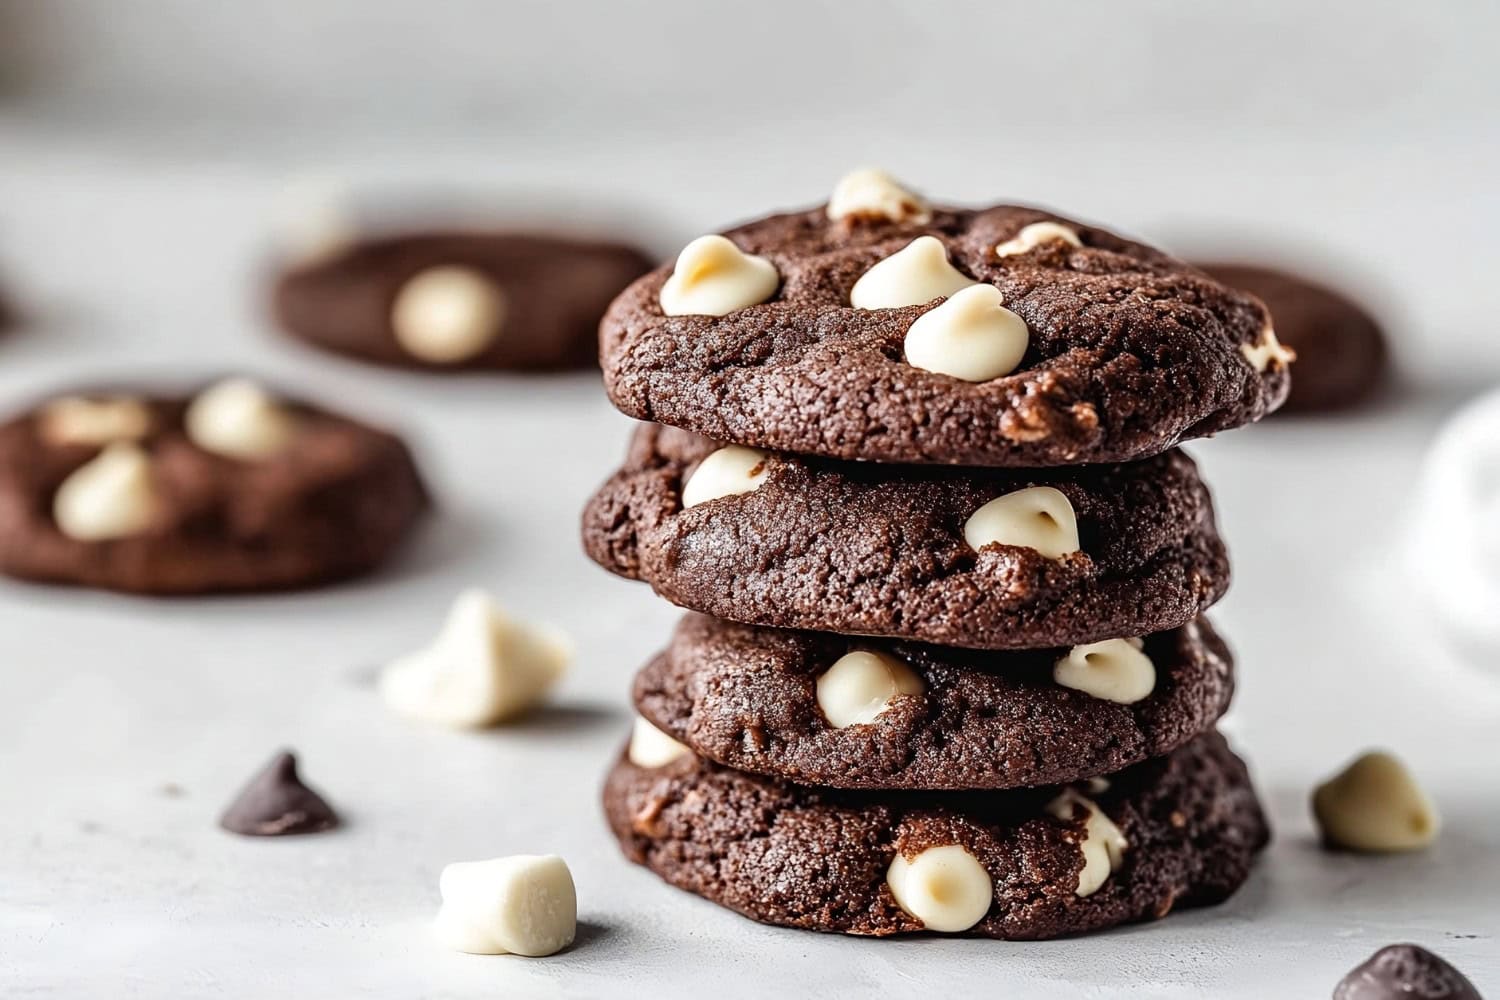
(112, 496)
(859, 686)
(917, 273)
(650, 747)
(1104, 843)
(1375, 805)
(944, 887)
(238, 418)
(726, 472)
(447, 315)
(521, 905)
(874, 194)
(94, 421)
(1115, 670)
(1034, 235)
(483, 667)
(1267, 351)
(971, 336)
(713, 277)
(1038, 517)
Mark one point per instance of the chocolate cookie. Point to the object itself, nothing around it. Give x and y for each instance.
(825, 709)
(846, 337)
(1176, 831)
(1342, 358)
(930, 554)
(229, 490)
(459, 300)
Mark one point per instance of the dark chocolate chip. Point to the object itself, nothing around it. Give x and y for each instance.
(1405, 972)
(276, 803)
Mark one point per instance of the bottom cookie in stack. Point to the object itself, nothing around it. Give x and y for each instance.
(1176, 831)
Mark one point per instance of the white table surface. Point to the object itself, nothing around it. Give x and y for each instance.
(114, 885)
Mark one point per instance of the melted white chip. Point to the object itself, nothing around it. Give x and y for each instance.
(944, 887)
(445, 315)
(1038, 517)
(713, 277)
(112, 496)
(917, 273)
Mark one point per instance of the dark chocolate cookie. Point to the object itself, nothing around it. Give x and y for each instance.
(824, 709)
(1341, 351)
(1176, 831)
(459, 300)
(875, 550)
(229, 490)
(1124, 351)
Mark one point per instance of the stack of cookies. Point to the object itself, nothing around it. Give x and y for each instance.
(913, 471)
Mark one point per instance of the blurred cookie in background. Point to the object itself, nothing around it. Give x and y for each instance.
(1342, 357)
(455, 300)
(233, 488)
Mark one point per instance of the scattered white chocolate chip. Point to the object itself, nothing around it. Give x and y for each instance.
(1375, 804)
(1034, 235)
(874, 194)
(448, 314)
(238, 418)
(861, 685)
(730, 470)
(971, 336)
(521, 905)
(1267, 350)
(1103, 845)
(483, 668)
(1113, 670)
(650, 747)
(96, 421)
(917, 273)
(713, 277)
(944, 887)
(1038, 517)
(111, 496)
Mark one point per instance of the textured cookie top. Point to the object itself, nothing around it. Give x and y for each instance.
(871, 549)
(1185, 829)
(230, 489)
(1127, 351)
(458, 300)
(797, 705)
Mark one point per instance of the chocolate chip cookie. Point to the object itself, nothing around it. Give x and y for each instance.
(832, 710)
(230, 489)
(983, 558)
(456, 301)
(1177, 831)
(878, 327)
(1342, 357)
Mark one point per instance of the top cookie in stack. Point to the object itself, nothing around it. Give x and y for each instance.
(884, 329)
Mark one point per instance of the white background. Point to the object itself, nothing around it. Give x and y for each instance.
(145, 153)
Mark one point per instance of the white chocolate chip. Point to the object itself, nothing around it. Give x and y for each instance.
(917, 273)
(112, 496)
(1375, 804)
(650, 747)
(238, 418)
(875, 194)
(861, 685)
(971, 336)
(944, 887)
(723, 473)
(94, 422)
(1038, 517)
(1035, 235)
(1113, 670)
(483, 668)
(521, 905)
(713, 277)
(1104, 843)
(445, 315)
(1267, 351)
